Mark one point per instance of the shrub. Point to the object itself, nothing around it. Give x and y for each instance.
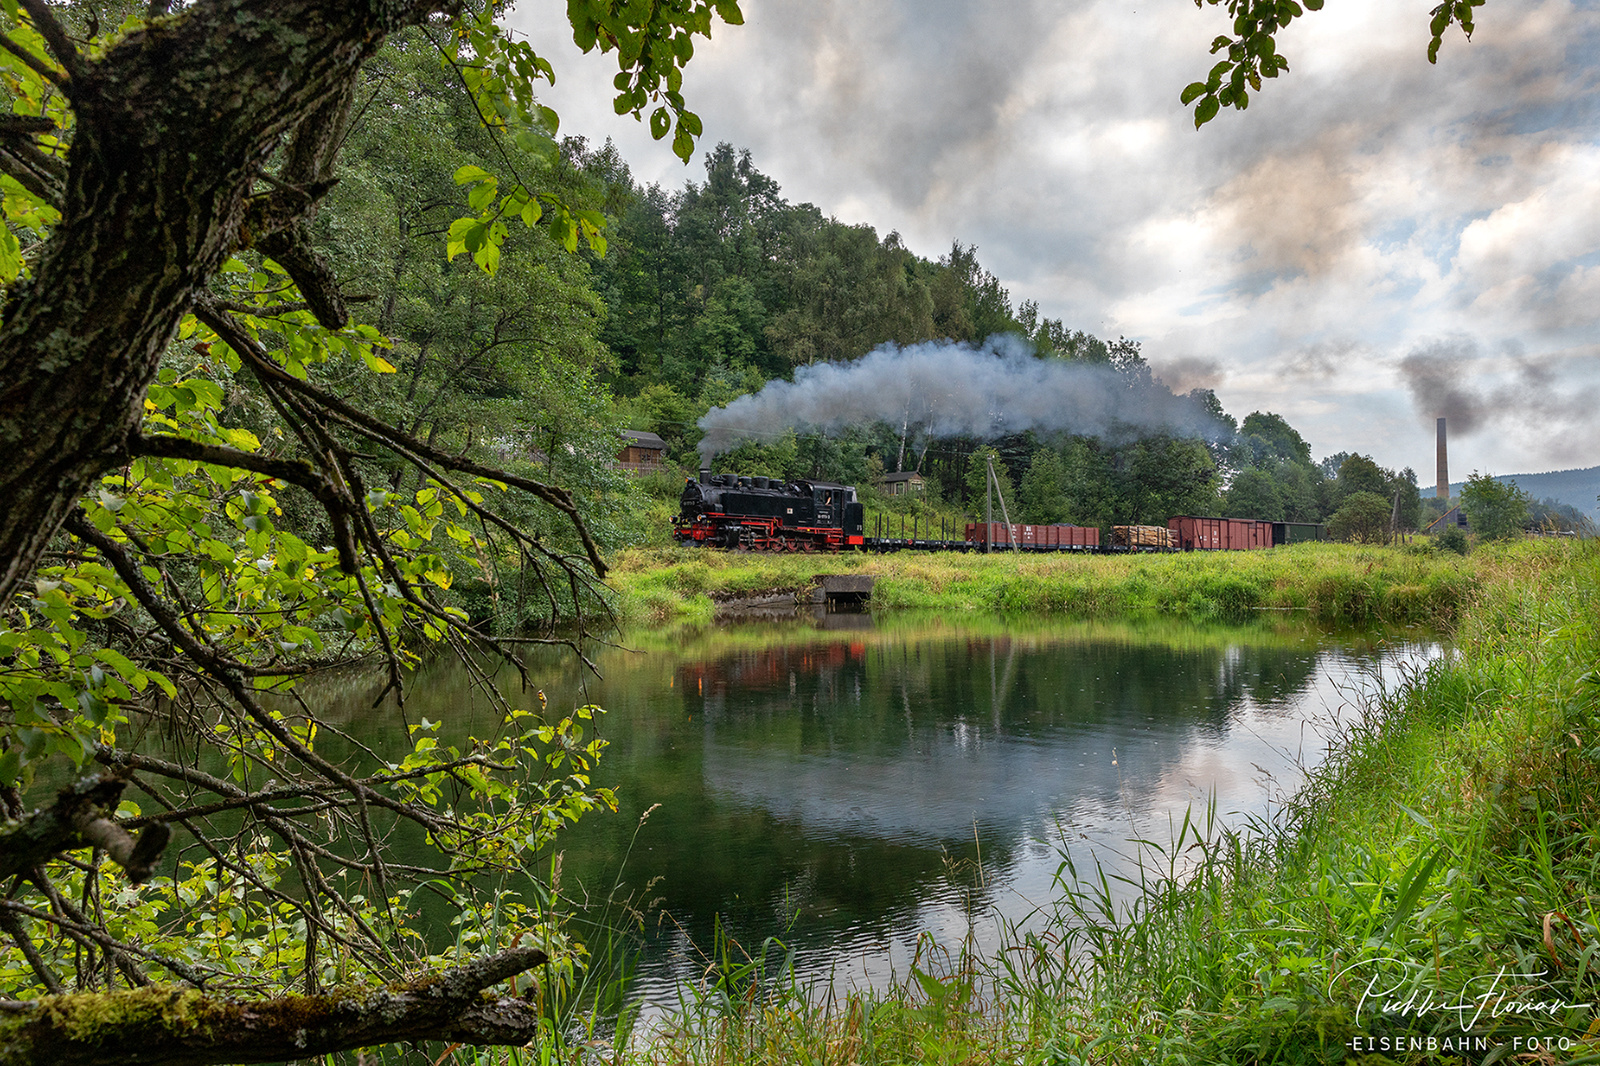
(1452, 539)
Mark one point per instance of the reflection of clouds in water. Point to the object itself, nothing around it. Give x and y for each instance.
(843, 782)
(1060, 793)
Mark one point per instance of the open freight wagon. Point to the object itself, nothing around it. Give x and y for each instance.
(1191, 533)
(1039, 537)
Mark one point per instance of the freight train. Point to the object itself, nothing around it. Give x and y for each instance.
(769, 514)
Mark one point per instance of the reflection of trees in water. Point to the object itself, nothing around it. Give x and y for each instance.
(833, 779)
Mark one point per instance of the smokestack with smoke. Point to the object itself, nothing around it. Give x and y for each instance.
(1442, 485)
(946, 389)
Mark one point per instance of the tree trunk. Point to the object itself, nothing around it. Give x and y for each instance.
(173, 126)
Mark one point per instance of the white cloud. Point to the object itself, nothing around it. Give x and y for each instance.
(1365, 206)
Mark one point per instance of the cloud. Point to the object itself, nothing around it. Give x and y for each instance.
(1365, 205)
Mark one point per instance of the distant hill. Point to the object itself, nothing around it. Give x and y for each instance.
(1575, 487)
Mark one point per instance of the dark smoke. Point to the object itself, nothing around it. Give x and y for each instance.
(1441, 379)
(944, 389)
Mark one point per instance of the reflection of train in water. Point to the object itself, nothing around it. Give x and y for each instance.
(768, 514)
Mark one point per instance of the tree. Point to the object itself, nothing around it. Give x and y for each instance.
(1495, 510)
(1042, 494)
(978, 486)
(1253, 494)
(168, 179)
(1251, 54)
(1363, 517)
(1169, 476)
(1359, 473)
(1283, 440)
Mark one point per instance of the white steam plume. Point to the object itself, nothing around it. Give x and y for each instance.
(946, 389)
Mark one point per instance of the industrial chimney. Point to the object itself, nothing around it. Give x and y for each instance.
(1442, 487)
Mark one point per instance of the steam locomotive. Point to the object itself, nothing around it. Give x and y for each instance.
(767, 514)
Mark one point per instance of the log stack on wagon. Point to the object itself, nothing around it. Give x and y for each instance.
(1141, 538)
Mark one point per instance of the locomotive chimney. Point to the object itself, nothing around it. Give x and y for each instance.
(705, 474)
(1442, 486)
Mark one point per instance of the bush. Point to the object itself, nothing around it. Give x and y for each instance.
(1452, 539)
(1363, 518)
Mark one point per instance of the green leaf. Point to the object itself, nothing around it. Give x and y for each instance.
(10, 766)
(660, 123)
(1206, 111)
(1191, 91)
(470, 173)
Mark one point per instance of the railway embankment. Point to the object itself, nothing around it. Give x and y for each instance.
(1328, 583)
(1429, 895)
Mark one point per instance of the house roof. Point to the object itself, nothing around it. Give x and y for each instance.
(1439, 523)
(905, 475)
(638, 438)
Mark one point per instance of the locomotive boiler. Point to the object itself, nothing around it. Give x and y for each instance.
(768, 514)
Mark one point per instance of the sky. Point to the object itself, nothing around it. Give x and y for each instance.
(1375, 243)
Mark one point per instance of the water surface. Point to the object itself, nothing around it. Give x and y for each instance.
(847, 785)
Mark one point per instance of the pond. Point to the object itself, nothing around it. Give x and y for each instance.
(847, 783)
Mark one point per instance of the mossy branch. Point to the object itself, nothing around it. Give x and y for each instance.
(173, 1026)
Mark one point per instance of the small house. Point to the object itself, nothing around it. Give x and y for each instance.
(1452, 517)
(642, 452)
(901, 484)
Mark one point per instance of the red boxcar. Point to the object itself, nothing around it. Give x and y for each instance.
(1043, 536)
(1190, 533)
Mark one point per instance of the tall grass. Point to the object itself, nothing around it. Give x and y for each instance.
(1446, 854)
(1327, 582)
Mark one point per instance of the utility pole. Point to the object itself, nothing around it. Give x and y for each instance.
(988, 504)
(994, 484)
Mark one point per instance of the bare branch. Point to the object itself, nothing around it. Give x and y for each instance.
(33, 62)
(55, 35)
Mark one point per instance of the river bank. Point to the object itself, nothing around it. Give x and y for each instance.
(1445, 854)
(1331, 583)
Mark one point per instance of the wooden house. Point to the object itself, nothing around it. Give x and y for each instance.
(642, 452)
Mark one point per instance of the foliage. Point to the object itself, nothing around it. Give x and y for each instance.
(986, 495)
(1364, 517)
(1250, 53)
(1495, 510)
(299, 492)
(1452, 539)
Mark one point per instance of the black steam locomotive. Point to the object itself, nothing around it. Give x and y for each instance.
(766, 514)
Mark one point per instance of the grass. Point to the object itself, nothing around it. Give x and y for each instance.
(1333, 583)
(1435, 879)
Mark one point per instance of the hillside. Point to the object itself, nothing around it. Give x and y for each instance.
(1579, 488)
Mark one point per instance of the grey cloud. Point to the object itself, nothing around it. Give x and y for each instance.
(1321, 360)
